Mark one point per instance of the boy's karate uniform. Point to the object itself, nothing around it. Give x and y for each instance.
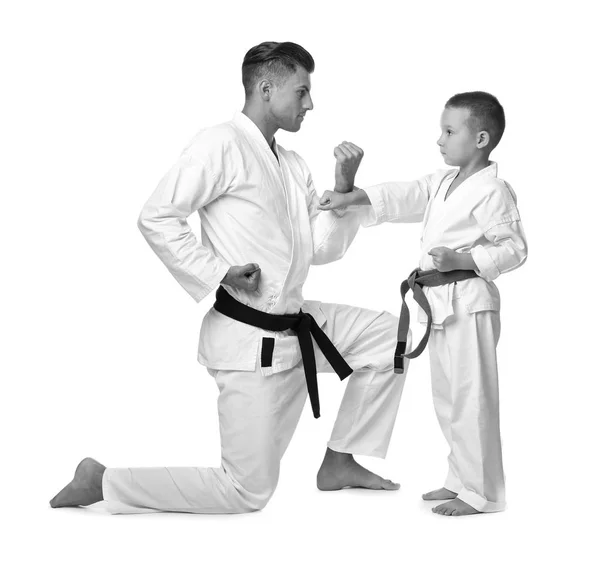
(256, 207)
(481, 217)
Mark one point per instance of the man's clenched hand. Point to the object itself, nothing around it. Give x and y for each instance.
(243, 276)
(348, 157)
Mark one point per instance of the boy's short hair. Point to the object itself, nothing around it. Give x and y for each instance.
(276, 60)
(486, 113)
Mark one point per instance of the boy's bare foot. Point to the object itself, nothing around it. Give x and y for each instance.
(340, 470)
(84, 489)
(455, 508)
(439, 495)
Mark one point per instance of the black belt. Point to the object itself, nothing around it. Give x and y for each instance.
(415, 282)
(303, 324)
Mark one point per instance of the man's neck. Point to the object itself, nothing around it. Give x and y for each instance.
(258, 117)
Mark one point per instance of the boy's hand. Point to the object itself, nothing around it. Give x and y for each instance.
(348, 157)
(243, 276)
(444, 258)
(333, 200)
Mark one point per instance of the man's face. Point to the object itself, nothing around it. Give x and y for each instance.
(458, 142)
(290, 101)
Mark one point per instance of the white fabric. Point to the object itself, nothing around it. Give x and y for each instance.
(464, 378)
(254, 207)
(258, 416)
(480, 216)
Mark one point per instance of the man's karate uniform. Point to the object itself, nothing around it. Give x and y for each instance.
(480, 216)
(256, 207)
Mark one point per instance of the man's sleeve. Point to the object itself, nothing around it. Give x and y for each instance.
(187, 187)
(500, 222)
(332, 231)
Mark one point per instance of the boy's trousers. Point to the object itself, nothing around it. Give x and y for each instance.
(464, 378)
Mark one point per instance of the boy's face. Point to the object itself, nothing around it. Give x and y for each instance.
(458, 142)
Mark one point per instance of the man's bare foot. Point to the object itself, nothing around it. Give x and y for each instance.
(340, 470)
(84, 489)
(455, 508)
(439, 495)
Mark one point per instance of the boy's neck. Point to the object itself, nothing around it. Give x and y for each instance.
(473, 167)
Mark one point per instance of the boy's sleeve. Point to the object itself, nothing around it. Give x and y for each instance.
(398, 201)
(188, 186)
(500, 222)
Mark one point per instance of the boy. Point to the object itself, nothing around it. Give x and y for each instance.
(471, 228)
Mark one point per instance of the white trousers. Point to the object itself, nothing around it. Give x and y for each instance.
(464, 378)
(258, 416)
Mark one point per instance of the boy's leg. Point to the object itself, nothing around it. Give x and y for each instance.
(439, 361)
(367, 340)
(258, 416)
(475, 428)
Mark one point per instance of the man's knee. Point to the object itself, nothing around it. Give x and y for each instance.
(255, 493)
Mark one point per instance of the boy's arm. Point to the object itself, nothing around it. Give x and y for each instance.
(506, 248)
(500, 222)
(506, 251)
(390, 201)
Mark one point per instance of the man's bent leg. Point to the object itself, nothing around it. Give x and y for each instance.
(258, 416)
(367, 340)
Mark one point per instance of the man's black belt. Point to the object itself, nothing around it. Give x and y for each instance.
(303, 324)
(415, 282)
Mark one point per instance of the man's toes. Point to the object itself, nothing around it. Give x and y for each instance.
(380, 484)
(390, 485)
(62, 498)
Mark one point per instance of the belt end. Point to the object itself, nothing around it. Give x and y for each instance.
(399, 357)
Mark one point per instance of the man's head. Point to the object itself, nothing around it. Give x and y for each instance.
(472, 124)
(276, 77)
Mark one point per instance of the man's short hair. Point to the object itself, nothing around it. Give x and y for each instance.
(275, 60)
(486, 113)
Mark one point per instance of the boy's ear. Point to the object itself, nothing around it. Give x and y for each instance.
(483, 139)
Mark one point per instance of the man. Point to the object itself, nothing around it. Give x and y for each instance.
(261, 229)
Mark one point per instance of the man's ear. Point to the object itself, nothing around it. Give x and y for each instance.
(483, 139)
(265, 89)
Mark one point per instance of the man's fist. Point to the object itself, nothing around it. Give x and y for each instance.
(243, 276)
(332, 200)
(444, 258)
(348, 157)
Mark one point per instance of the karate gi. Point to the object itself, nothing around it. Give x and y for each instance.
(481, 217)
(256, 207)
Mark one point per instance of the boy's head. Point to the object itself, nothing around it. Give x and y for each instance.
(276, 78)
(472, 125)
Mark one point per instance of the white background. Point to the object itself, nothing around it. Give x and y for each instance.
(99, 342)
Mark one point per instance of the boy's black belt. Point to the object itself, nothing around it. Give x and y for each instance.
(303, 324)
(415, 282)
